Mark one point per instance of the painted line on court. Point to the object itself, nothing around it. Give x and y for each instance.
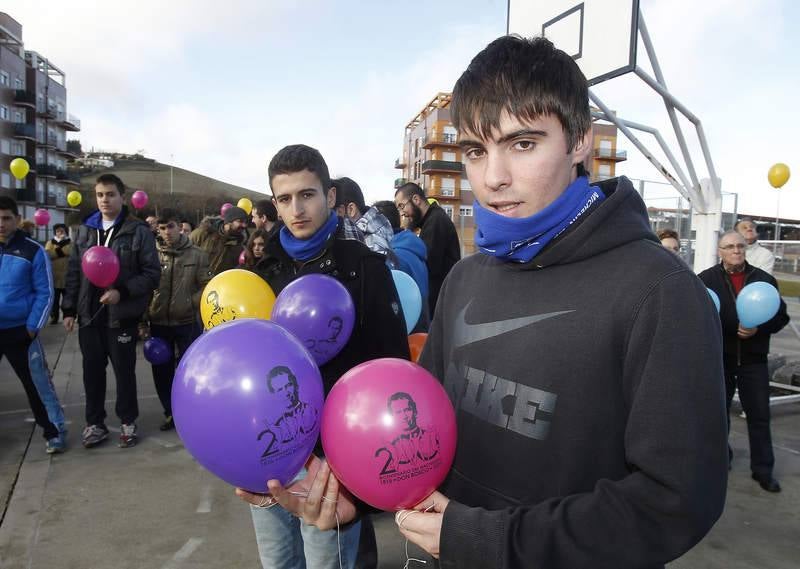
(183, 553)
(205, 501)
(109, 401)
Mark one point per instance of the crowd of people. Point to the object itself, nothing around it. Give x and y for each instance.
(590, 398)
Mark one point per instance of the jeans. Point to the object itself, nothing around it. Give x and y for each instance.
(180, 337)
(98, 345)
(753, 383)
(40, 374)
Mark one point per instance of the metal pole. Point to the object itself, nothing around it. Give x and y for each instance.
(170, 174)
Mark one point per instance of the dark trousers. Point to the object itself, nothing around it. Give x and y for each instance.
(58, 293)
(752, 380)
(178, 338)
(14, 344)
(98, 345)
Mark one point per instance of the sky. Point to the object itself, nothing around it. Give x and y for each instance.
(218, 88)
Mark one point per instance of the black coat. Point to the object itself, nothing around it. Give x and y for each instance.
(444, 250)
(379, 330)
(756, 348)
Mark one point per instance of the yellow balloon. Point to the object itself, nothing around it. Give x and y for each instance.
(235, 294)
(246, 205)
(778, 175)
(74, 198)
(20, 168)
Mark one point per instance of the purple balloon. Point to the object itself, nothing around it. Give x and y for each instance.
(225, 207)
(318, 310)
(157, 351)
(246, 400)
(100, 265)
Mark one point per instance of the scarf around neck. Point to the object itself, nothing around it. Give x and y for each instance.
(520, 239)
(307, 249)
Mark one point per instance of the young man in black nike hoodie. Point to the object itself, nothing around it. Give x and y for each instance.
(582, 358)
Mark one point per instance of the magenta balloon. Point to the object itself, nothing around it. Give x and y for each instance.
(100, 265)
(246, 400)
(139, 199)
(225, 207)
(318, 310)
(389, 433)
(41, 217)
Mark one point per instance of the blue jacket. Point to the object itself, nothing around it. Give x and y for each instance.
(26, 283)
(412, 255)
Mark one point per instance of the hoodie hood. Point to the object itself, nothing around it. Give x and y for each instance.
(95, 219)
(405, 240)
(617, 220)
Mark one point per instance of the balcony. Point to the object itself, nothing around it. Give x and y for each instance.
(67, 177)
(610, 154)
(50, 141)
(27, 131)
(48, 112)
(400, 163)
(26, 195)
(24, 99)
(438, 166)
(66, 152)
(439, 139)
(46, 170)
(71, 123)
(399, 182)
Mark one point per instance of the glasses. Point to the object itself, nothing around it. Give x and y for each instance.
(732, 247)
(402, 206)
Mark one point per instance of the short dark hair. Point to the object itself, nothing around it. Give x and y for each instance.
(58, 226)
(267, 209)
(410, 189)
(9, 204)
(668, 234)
(389, 211)
(401, 395)
(299, 157)
(528, 78)
(166, 216)
(280, 370)
(111, 180)
(350, 192)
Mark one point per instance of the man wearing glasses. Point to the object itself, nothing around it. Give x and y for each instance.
(745, 351)
(436, 230)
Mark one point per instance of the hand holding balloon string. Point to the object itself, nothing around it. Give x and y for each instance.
(422, 525)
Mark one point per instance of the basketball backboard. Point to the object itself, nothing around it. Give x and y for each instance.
(601, 35)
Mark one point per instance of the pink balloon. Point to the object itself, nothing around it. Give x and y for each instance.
(225, 207)
(242, 257)
(139, 199)
(389, 433)
(41, 217)
(100, 265)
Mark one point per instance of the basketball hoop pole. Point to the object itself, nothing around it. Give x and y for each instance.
(704, 195)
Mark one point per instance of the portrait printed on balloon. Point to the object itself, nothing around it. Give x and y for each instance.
(415, 448)
(323, 349)
(219, 314)
(296, 423)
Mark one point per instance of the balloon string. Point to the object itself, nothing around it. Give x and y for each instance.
(99, 310)
(335, 513)
(400, 517)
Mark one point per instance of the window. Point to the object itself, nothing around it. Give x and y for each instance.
(465, 185)
(5, 180)
(450, 134)
(18, 84)
(465, 211)
(604, 170)
(448, 187)
(449, 156)
(4, 80)
(3, 112)
(17, 148)
(18, 118)
(5, 147)
(448, 209)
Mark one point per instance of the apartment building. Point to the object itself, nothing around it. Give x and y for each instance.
(34, 123)
(431, 158)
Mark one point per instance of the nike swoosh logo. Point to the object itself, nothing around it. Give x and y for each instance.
(471, 333)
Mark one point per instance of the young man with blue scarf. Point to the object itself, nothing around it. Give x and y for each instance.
(313, 240)
(583, 359)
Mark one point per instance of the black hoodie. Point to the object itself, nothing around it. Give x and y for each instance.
(589, 397)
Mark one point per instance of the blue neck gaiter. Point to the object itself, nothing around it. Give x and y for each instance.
(307, 249)
(520, 239)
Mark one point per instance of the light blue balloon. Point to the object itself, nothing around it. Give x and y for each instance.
(410, 298)
(757, 303)
(714, 297)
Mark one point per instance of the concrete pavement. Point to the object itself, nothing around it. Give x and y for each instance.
(152, 506)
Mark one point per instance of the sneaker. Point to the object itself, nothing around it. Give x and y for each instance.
(94, 435)
(168, 424)
(127, 435)
(56, 445)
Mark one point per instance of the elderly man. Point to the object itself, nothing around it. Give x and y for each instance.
(758, 256)
(745, 350)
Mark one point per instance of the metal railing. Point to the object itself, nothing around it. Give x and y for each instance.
(442, 165)
(610, 153)
(440, 138)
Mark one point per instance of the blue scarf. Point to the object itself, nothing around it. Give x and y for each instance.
(307, 249)
(521, 239)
